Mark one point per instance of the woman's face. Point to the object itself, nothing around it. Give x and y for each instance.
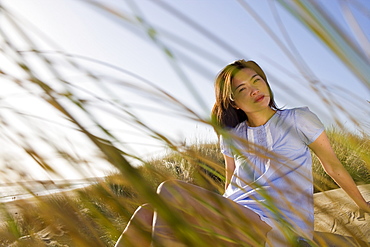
(250, 92)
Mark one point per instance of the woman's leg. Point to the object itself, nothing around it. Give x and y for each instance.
(216, 219)
(139, 228)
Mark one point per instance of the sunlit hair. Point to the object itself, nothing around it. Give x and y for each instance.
(224, 112)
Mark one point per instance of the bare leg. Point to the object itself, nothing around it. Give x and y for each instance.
(216, 219)
(138, 229)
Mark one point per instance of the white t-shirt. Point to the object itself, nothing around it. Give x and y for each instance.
(274, 160)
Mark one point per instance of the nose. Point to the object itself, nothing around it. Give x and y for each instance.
(254, 91)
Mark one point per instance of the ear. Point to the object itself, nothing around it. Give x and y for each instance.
(234, 105)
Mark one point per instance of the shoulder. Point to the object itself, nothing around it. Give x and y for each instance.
(303, 109)
(240, 128)
(298, 117)
(298, 112)
(308, 125)
(229, 132)
(305, 114)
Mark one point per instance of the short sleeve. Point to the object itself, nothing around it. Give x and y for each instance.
(308, 125)
(225, 147)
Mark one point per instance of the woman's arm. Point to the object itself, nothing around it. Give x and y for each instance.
(334, 168)
(229, 169)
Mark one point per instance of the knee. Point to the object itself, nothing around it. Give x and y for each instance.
(168, 186)
(145, 208)
(163, 187)
(145, 213)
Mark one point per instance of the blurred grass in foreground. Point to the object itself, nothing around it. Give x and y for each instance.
(96, 216)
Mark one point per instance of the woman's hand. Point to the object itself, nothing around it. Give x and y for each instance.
(364, 210)
(367, 210)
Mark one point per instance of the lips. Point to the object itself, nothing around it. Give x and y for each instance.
(259, 98)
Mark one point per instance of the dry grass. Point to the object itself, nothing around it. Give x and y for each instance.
(96, 215)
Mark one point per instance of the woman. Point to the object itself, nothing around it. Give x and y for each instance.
(269, 188)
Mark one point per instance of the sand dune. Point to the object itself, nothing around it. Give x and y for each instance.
(336, 215)
(337, 221)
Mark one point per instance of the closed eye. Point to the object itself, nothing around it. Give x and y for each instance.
(241, 89)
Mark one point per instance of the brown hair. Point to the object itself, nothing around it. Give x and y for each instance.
(224, 113)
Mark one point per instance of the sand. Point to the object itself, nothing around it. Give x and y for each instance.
(336, 215)
(16, 206)
(338, 222)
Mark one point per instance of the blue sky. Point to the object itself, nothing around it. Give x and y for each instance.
(202, 36)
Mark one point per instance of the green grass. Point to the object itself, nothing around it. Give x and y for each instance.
(354, 153)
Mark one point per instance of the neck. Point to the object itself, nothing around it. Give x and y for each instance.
(260, 118)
